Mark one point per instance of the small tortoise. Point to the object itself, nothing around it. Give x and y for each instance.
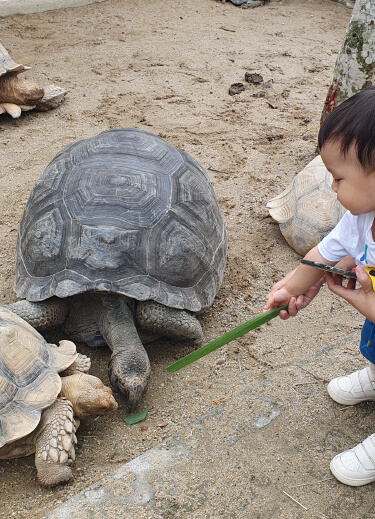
(127, 232)
(44, 391)
(307, 210)
(18, 94)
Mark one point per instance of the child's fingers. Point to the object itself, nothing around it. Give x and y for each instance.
(271, 303)
(292, 306)
(351, 283)
(335, 286)
(267, 306)
(364, 279)
(332, 283)
(284, 315)
(292, 309)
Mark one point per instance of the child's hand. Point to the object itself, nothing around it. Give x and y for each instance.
(279, 296)
(362, 298)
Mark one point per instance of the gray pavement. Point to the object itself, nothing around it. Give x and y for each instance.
(11, 7)
(263, 453)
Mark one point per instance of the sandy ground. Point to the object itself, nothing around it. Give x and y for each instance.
(166, 66)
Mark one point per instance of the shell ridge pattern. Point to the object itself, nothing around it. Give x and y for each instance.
(16, 363)
(44, 244)
(218, 250)
(10, 316)
(43, 224)
(24, 280)
(8, 389)
(29, 379)
(18, 419)
(69, 232)
(22, 380)
(192, 241)
(201, 227)
(10, 422)
(6, 62)
(90, 192)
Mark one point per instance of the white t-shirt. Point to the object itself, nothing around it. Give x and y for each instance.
(352, 236)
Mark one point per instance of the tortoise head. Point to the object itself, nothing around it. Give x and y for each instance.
(88, 395)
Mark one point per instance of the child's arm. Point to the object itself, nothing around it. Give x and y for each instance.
(299, 287)
(362, 298)
(347, 263)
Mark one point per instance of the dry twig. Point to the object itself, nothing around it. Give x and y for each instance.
(295, 500)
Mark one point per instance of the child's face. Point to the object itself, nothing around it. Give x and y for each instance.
(354, 187)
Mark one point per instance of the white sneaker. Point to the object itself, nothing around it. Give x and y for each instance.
(353, 389)
(356, 467)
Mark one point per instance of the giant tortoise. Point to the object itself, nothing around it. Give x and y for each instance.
(121, 232)
(39, 410)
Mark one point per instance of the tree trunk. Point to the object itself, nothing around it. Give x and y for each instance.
(355, 65)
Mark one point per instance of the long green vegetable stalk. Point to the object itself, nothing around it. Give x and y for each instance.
(224, 339)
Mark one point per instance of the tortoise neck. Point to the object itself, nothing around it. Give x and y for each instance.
(69, 390)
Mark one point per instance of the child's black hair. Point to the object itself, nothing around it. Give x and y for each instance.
(353, 122)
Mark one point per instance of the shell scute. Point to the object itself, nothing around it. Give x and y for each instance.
(7, 64)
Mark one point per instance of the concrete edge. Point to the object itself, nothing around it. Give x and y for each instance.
(12, 7)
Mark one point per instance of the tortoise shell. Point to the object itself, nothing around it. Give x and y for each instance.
(127, 213)
(29, 379)
(308, 209)
(7, 64)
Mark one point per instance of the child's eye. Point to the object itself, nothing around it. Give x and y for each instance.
(337, 180)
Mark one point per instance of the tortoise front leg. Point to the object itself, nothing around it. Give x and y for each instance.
(129, 368)
(54, 444)
(157, 319)
(82, 364)
(42, 316)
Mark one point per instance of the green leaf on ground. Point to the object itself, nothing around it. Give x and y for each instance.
(224, 339)
(135, 418)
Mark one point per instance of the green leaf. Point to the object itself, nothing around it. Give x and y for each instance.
(135, 418)
(224, 339)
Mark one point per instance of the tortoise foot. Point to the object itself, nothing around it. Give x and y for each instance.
(51, 475)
